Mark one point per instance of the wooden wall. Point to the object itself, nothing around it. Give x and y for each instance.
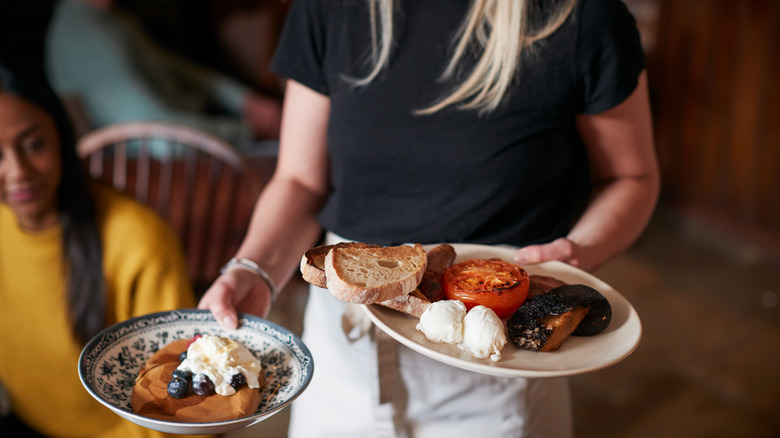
(714, 68)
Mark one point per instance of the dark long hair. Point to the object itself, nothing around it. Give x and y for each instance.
(82, 249)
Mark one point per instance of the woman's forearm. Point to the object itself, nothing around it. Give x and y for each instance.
(625, 171)
(614, 219)
(284, 223)
(283, 226)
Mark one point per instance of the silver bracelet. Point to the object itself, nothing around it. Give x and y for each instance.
(249, 265)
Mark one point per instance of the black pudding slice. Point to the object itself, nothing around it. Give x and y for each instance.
(600, 313)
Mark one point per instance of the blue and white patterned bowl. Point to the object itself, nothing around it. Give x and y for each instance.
(110, 362)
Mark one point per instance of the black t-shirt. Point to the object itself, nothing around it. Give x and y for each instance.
(516, 176)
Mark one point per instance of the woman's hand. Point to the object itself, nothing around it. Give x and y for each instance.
(237, 290)
(561, 249)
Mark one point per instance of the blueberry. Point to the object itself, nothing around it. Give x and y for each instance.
(182, 374)
(178, 388)
(237, 381)
(183, 356)
(202, 385)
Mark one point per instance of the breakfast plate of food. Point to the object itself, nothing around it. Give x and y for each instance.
(471, 307)
(181, 372)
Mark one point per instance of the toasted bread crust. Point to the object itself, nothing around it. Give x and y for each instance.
(429, 290)
(439, 258)
(313, 261)
(369, 275)
(413, 304)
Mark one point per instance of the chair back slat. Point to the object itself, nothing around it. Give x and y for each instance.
(142, 172)
(96, 164)
(202, 186)
(220, 220)
(165, 188)
(189, 213)
(120, 165)
(202, 226)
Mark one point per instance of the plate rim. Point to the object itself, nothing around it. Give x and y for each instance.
(305, 359)
(374, 312)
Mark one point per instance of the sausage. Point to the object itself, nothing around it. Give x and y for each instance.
(541, 284)
(439, 259)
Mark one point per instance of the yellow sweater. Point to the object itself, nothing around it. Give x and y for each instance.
(145, 272)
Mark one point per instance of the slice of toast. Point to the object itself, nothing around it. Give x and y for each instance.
(439, 258)
(369, 275)
(313, 261)
(313, 271)
(429, 290)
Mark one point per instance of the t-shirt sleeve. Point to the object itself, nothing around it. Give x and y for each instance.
(609, 55)
(301, 49)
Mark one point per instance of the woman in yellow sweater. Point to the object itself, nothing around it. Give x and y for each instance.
(75, 257)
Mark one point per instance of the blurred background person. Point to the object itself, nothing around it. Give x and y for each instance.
(99, 54)
(75, 257)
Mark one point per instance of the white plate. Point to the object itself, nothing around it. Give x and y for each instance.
(577, 355)
(110, 362)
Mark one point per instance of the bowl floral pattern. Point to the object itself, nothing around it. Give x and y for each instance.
(111, 361)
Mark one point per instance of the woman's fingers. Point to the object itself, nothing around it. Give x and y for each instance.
(560, 249)
(220, 300)
(236, 291)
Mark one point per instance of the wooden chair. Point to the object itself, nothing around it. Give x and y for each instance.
(201, 185)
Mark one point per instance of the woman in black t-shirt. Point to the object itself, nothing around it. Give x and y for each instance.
(484, 121)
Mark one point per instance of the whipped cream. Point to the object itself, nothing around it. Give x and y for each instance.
(220, 359)
(483, 333)
(442, 321)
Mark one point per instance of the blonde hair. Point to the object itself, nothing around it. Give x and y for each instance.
(501, 28)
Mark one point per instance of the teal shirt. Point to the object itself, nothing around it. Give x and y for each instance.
(119, 74)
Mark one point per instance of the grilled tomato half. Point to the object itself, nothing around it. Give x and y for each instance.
(493, 283)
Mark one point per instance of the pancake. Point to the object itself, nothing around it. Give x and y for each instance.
(150, 394)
